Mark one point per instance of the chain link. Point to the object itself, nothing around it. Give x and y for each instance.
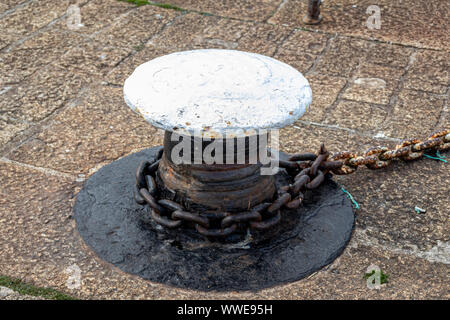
(308, 171)
(381, 157)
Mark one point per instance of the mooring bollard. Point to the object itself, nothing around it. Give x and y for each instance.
(214, 201)
(218, 102)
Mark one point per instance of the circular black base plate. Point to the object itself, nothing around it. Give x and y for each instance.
(120, 232)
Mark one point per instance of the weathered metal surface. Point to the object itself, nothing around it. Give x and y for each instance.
(223, 187)
(313, 15)
(195, 193)
(381, 157)
(125, 234)
(346, 162)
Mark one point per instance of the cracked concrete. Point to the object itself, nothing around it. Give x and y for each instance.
(62, 117)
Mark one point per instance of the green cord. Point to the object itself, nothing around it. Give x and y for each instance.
(435, 158)
(351, 198)
(440, 155)
(419, 210)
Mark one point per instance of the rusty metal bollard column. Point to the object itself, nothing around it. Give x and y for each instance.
(197, 213)
(313, 15)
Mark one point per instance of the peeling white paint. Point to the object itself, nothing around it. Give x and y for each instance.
(213, 91)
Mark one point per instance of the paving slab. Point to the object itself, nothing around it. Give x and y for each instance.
(405, 122)
(8, 5)
(9, 129)
(146, 53)
(422, 24)
(301, 49)
(444, 120)
(300, 41)
(88, 135)
(390, 55)
(373, 83)
(255, 10)
(35, 53)
(196, 31)
(329, 88)
(109, 47)
(137, 27)
(31, 17)
(429, 71)
(361, 116)
(48, 90)
(92, 59)
(307, 137)
(98, 14)
(342, 57)
(369, 90)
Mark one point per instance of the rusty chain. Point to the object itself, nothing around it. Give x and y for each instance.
(308, 171)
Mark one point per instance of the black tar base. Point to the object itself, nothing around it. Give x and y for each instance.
(121, 232)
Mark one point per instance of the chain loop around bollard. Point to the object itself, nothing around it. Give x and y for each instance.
(261, 217)
(308, 171)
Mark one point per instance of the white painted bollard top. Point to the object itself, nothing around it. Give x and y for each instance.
(215, 92)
